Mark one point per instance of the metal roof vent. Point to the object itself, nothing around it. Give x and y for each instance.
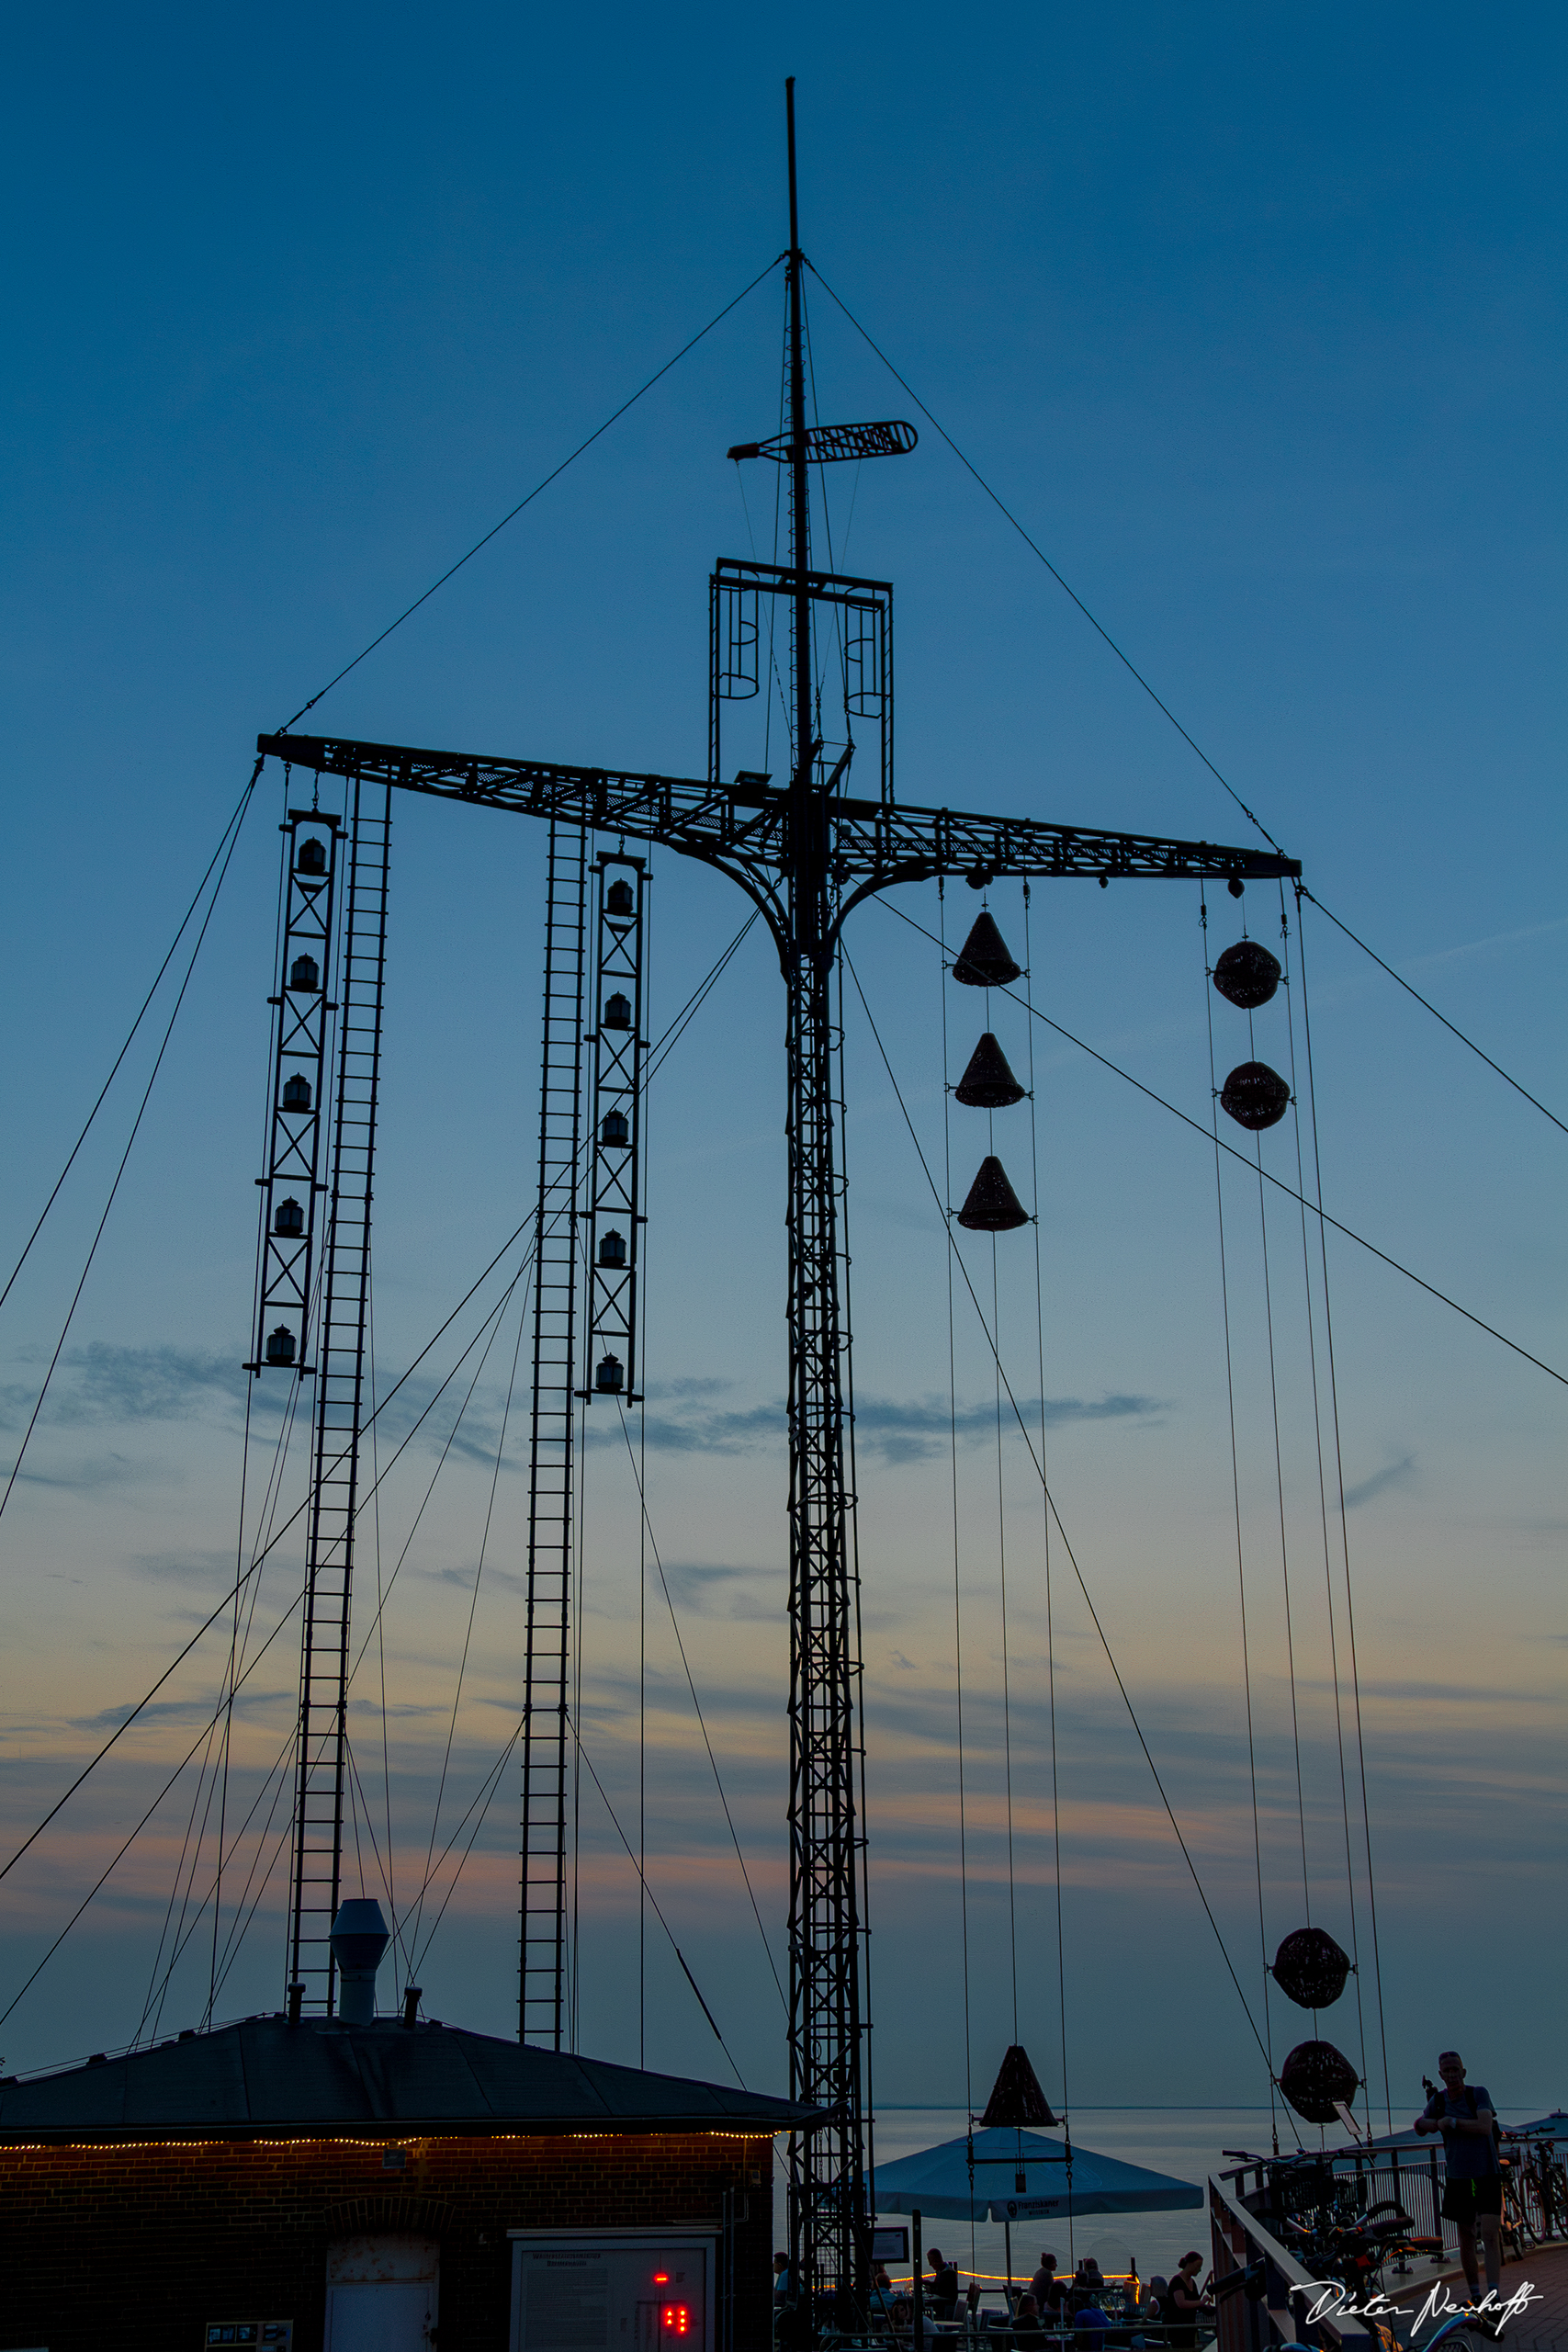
(359, 1937)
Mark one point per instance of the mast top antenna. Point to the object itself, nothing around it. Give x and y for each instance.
(793, 205)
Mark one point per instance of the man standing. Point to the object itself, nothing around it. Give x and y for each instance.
(1473, 2198)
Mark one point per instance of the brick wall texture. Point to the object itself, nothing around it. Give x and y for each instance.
(139, 2247)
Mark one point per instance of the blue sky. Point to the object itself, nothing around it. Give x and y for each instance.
(1254, 317)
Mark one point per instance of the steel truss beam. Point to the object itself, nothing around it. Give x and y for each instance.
(747, 830)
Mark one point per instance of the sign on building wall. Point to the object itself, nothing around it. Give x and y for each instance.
(581, 2291)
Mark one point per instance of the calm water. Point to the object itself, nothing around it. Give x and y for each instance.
(1186, 2141)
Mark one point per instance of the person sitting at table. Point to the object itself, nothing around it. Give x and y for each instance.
(1045, 2285)
(1152, 2310)
(1026, 2320)
(943, 2286)
(1087, 2283)
(1185, 2300)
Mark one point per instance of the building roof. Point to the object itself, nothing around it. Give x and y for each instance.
(266, 2079)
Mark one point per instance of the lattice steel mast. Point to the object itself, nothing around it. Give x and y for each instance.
(806, 855)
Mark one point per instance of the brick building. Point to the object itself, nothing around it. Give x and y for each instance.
(322, 2186)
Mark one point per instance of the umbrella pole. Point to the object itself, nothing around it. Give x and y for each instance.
(1007, 2239)
(919, 2295)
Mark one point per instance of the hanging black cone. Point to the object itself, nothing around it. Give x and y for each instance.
(993, 1205)
(1255, 1096)
(1246, 974)
(983, 960)
(1313, 2077)
(1016, 2098)
(987, 1084)
(1310, 1969)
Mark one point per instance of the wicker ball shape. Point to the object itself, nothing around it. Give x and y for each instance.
(1310, 1968)
(1255, 1096)
(1313, 2077)
(1246, 974)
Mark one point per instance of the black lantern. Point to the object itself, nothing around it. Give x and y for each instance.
(1316, 2078)
(612, 1249)
(988, 1084)
(305, 974)
(983, 961)
(992, 1207)
(280, 1345)
(1255, 1096)
(1017, 2099)
(611, 1376)
(288, 1219)
(1246, 974)
(618, 900)
(296, 1093)
(613, 1130)
(618, 1011)
(1310, 1968)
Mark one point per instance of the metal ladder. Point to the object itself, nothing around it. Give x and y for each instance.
(322, 1755)
(541, 2006)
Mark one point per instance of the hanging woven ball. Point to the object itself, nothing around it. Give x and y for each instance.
(1017, 2099)
(988, 1084)
(983, 961)
(1310, 1969)
(1246, 974)
(1255, 1096)
(1313, 2077)
(992, 1207)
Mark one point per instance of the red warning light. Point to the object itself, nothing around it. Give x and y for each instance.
(661, 2277)
(675, 2319)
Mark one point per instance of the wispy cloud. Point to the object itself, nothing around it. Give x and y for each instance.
(1396, 1473)
(892, 1429)
(101, 1384)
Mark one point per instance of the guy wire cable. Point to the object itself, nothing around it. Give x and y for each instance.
(375, 1498)
(1344, 1519)
(1235, 1499)
(474, 1594)
(237, 827)
(639, 1478)
(1280, 1185)
(864, 1872)
(1045, 1516)
(1164, 707)
(132, 1713)
(1002, 1571)
(553, 475)
(952, 1449)
(1279, 1486)
(1323, 1508)
(236, 815)
(1067, 1541)
(274, 1025)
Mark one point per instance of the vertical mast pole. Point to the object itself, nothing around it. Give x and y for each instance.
(828, 2241)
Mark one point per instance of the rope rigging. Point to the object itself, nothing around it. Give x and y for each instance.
(1323, 1512)
(1316, 1208)
(1240, 1547)
(1164, 707)
(1056, 1516)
